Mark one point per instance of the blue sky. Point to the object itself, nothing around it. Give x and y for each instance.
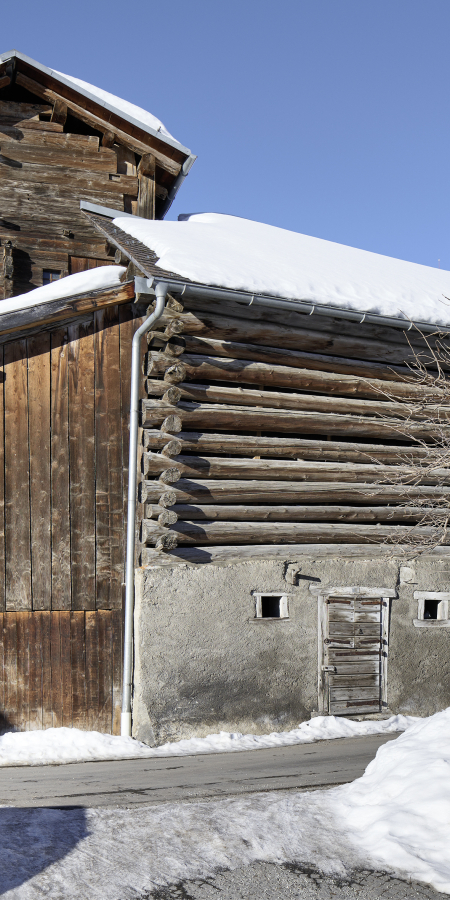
(328, 117)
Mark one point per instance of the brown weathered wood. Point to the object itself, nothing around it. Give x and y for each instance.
(171, 165)
(171, 424)
(291, 358)
(66, 178)
(295, 470)
(272, 532)
(81, 360)
(23, 674)
(104, 629)
(4, 81)
(35, 670)
(46, 690)
(108, 462)
(39, 377)
(78, 658)
(243, 513)
(164, 540)
(64, 309)
(193, 416)
(172, 448)
(2, 488)
(92, 680)
(60, 494)
(11, 679)
(59, 113)
(57, 699)
(17, 483)
(228, 329)
(117, 659)
(146, 196)
(281, 492)
(287, 448)
(48, 154)
(66, 671)
(206, 368)
(207, 393)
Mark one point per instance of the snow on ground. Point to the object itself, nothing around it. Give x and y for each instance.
(103, 277)
(130, 109)
(67, 745)
(236, 253)
(395, 818)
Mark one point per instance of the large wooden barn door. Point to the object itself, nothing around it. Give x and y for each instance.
(353, 646)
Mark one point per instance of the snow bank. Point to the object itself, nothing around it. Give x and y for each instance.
(236, 253)
(93, 280)
(395, 818)
(67, 745)
(398, 813)
(130, 109)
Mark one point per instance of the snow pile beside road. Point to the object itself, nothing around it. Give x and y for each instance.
(398, 813)
(235, 253)
(101, 278)
(67, 745)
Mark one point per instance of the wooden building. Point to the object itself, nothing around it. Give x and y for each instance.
(65, 389)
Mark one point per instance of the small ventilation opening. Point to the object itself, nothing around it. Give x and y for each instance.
(50, 275)
(431, 609)
(270, 606)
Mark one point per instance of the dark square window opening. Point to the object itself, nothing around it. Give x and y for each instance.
(270, 606)
(430, 609)
(50, 275)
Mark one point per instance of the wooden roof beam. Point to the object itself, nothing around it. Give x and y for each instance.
(169, 165)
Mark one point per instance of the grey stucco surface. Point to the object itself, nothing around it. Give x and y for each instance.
(203, 664)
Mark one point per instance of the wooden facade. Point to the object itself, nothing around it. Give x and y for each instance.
(64, 461)
(57, 147)
(261, 428)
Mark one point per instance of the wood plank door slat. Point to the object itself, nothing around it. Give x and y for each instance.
(60, 491)
(105, 661)
(352, 655)
(55, 654)
(78, 669)
(38, 351)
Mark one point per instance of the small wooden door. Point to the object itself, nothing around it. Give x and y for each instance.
(353, 659)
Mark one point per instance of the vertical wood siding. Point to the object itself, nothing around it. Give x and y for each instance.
(64, 397)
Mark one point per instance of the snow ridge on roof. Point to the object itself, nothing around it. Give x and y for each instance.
(130, 109)
(230, 252)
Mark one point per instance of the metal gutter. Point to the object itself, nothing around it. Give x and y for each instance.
(191, 289)
(125, 720)
(52, 73)
(185, 169)
(106, 211)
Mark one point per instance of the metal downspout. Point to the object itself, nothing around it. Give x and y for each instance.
(160, 289)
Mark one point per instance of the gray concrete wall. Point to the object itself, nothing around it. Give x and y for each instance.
(204, 664)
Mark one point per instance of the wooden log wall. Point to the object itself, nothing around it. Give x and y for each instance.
(64, 397)
(51, 157)
(262, 427)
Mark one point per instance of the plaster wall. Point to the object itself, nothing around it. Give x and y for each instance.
(203, 663)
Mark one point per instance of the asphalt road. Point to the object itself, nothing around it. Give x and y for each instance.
(159, 780)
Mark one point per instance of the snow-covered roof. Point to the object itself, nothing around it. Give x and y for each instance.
(229, 252)
(101, 278)
(127, 111)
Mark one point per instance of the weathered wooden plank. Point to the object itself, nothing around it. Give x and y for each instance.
(35, 670)
(354, 693)
(56, 669)
(38, 350)
(207, 393)
(50, 154)
(78, 668)
(146, 198)
(76, 142)
(199, 416)
(57, 310)
(17, 497)
(274, 532)
(9, 640)
(66, 668)
(295, 470)
(281, 492)
(117, 658)
(81, 360)
(92, 685)
(283, 448)
(2, 486)
(293, 358)
(205, 368)
(46, 695)
(224, 328)
(281, 513)
(105, 660)
(22, 704)
(60, 492)
(68, 179)
(108, 488)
